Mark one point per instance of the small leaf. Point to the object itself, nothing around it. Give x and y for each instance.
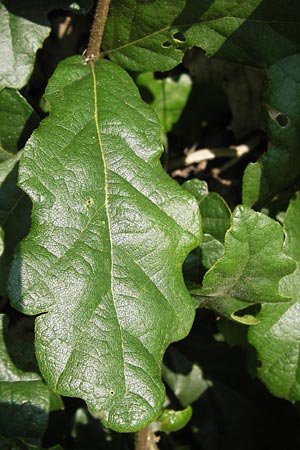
(277, 337)
(251, 268)
(169, 96)
(211, 251)
(24, 398)
(103, 260)
(245, 319)
(171, 420)
(148, 36)
(215, 213)
(215, 216)
(255, 185)
(198, 188)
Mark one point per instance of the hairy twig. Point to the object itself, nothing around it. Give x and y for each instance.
(93, 50)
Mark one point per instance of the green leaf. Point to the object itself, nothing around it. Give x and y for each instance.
(103, 260)
(211, 250)
(279, 167)
(167, 96)
(24, 27)
(215, 212)
(18, 120)
(15, 208)
(184, 378)
(198, 188)
(171, 420)
(251, 268)
(277, 337)
(281, 162)
(147, 36)
(24, 398)
(255, 185)
(215, 216)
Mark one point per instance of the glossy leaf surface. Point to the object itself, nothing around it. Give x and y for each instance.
(277, 336)
(109, 235)
(184, 378)
(251, 268)
(167, 96)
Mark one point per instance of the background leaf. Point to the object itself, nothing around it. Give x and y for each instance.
(185, 379)
(215, 219)
(277, 336)
(24, 398)
(215, 212)
(278, 168)
(15, 208)
(251, 268)
(24, 26)
(146, 36)
(18, 120)
(111, 283)
(167, 96)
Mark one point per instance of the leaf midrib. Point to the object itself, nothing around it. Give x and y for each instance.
(106, 203)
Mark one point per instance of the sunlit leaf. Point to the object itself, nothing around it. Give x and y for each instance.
(251, 268)
(109, 235)
(277, 337)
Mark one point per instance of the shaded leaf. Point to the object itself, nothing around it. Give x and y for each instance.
(211, 251)
(277, 337)
(185, 379)
(215, 213)
(279, 167)
(15, 209)
(215, 218)
(167, 96)
(233, 92)
(24, 398)
(18, 120)
(153, 35)
(24, 27)
(251, 268)
(109, 235)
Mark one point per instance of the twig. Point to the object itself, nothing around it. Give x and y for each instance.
(93, 50)
(205, 154)
(145, 439)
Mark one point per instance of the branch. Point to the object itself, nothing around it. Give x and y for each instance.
(204, 154)
(145, 439)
